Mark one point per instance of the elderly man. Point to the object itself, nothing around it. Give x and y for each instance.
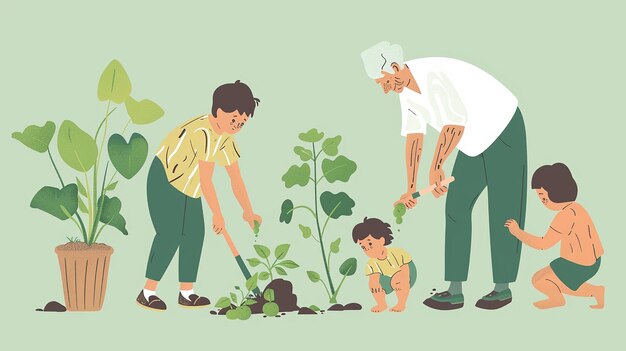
(474, 113)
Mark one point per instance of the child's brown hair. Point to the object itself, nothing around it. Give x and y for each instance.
(374, 227)
(557, 180)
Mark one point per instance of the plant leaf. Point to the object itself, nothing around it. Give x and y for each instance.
(253, 262)
(315, 308)
(223, 302)
(51, 200)
(312, 136)
(334, 246)
(77, 148)
(281, 251)
(305, 154)
(111, 186)
(264, 276)
(143, 112)
(268, 295)
(257, 227)
(336, 205)
(330, 145)
(280, 270)
(306, 231)
(398, 211)
(262, 251)
(110, 214)
(233, 297)
(252, 283)
(81, 206)
(114, 83)
(128, 158)
(286, 211)
(297, 175)
(339, 169)
(249, 302)
(288, 264)
(81, 188)
(35, 137)
(313, 276)
(348, 267)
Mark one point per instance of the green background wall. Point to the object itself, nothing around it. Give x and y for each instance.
(563, 61)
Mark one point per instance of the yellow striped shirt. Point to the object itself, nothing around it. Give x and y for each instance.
(389, 266)
(189, 143)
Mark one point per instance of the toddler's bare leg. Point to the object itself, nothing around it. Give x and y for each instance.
(548, 283)
(596, 291)
(401, 285)
(381, 300)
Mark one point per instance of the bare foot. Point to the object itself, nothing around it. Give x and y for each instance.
(549, 303)
(599, 295)
(397, 308)
(378, 308)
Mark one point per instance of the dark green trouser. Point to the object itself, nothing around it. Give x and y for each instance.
(502, 168)
(179, 225)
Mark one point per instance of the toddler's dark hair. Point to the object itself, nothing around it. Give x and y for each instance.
(557, 180)
(374, 227)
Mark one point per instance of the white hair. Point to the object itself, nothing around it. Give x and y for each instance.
(380, 57)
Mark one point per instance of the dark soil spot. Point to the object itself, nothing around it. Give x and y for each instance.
(283, 313)
(353, 306)
(434, 289)
(306, 310)
(336, 307)
(213, 312)
(278, 316)
(52, 306)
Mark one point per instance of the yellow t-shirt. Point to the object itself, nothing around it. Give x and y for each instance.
(389, 266)
(189, 143)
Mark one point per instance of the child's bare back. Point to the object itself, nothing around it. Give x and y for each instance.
(580, 242)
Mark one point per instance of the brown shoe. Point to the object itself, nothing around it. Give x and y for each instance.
(152, 303)
(194, 301)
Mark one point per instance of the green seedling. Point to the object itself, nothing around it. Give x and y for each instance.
(277, 266)
(239, 308)
(270, 308)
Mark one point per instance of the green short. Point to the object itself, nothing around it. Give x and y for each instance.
(573, 275)
(385, 281)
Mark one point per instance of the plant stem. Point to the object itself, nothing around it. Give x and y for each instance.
(125, 126)
(327, 218)
(99, 211)
(96, 168)
(55, 168)
(270, 266)
(303, 206)
(102, 123)
(82, 226)
(90, 209)
(317, 222)
(333, 299)
(326, 287)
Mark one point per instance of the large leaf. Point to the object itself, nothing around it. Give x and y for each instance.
(330, 145)
(305, 154)
(288, 264)
(76, 147)
(313, 276)
(348, 267)
(114, 83)
(35, 137)
(339, 169)
(252, 283)
(286, 211)
(110, 215)
(128, 158)
(253, 262)
(334, 246)
(143, 112)
(262, 251)
(336, 205)
(52, 200)
(223, 302)
(297, 175)
(306, 231)
(312, 136)
(281, 251)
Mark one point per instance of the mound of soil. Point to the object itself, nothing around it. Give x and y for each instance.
(52, 306)
(81, 246)
(306, 310)
(284, 297)
(353, 306)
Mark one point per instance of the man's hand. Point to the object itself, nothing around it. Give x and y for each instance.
(250, 217)
(513, 227)
(407, 200)
(218, 224)
(436, 176)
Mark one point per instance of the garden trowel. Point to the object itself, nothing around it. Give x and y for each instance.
(242, 265)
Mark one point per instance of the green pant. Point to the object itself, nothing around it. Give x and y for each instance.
(502, 168)
(385, 281)
(179, 225)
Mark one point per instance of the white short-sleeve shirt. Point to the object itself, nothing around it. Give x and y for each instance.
(454, 92)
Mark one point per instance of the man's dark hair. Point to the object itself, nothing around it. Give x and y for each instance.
(374, 227)
(232, 97)
(557, 180)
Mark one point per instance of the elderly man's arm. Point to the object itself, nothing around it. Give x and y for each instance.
(449, 137)
(413, 153)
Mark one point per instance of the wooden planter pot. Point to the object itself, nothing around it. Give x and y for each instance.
(84, 272)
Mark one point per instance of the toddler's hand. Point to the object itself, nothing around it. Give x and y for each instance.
(513, 226)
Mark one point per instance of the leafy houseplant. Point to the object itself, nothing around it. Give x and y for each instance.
(84, 264)
(278, 265)
(334, 205)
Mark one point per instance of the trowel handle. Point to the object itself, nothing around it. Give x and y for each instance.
(432, 187)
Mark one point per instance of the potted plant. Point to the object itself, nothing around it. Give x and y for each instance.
(85, 200)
